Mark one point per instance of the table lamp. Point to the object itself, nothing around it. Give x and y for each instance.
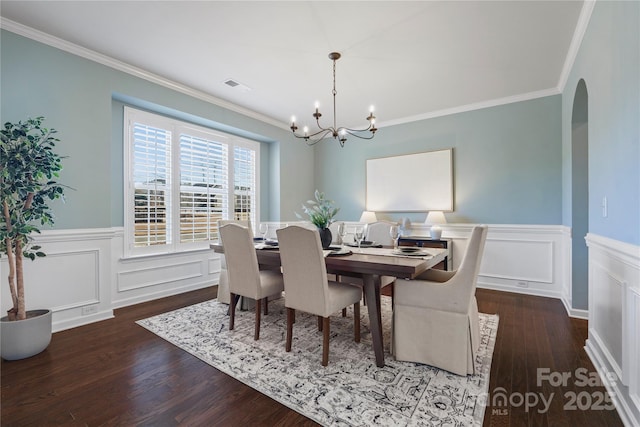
(434, 218)
(368, 217)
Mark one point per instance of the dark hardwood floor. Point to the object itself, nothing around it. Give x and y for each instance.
(115, 373)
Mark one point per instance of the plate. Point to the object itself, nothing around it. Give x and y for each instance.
(265, 246)
(408, 249)
(418, 252)
(340, 252)
(364, 244)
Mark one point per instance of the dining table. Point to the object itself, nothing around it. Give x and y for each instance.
(369, 264)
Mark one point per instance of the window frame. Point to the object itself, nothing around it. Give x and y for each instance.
(177, 127)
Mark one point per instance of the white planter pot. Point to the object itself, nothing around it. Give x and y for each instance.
(25, 338)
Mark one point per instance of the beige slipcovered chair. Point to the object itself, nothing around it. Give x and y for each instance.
(307, 288)
(245, 279)
(435, 316)
(223, 285)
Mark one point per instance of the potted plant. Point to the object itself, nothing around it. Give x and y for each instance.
(321, 213)
(28, 169)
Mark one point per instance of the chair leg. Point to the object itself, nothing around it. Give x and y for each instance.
(232, 311)
(344, 312)
(325, 341)
(356, 321)
(291, 313)
(320, 323)
(266, 306)
(256, 334)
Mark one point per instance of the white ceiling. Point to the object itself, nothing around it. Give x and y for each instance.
(413, 59)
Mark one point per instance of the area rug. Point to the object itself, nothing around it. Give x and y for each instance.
(352, 390)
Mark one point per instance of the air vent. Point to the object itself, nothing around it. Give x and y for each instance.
(237, 85)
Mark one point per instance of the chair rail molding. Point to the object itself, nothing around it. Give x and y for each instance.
(526, 259)
(614, 321)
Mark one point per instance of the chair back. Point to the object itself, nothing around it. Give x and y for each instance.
(304, 270)
(242, 222)
(379, 232)
(467, 273)
(241, 259)
(221, 222)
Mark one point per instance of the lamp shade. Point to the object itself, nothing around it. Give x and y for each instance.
(368, 217)
(434, 218)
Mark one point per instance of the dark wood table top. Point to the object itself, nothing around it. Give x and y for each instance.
(402, 267)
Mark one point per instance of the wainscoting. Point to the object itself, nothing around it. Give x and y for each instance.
(85, 277)
(614, 321)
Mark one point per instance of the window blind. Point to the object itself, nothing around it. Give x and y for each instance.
(203, 187)
(180, 180)
(244, 164)
(152, 181)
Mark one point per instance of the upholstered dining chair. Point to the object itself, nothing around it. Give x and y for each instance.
(245, 279)
(379, 232)
(435, 316)
(223, 285)
(307, 288)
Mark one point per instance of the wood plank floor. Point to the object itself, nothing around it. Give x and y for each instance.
(115, 373)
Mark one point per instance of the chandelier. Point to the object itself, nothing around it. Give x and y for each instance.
(339, 133)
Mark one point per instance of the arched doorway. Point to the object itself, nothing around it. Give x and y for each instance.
(580, 197)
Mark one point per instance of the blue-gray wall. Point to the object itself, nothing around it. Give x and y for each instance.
(507, 163)
(512, 163)
(609, 63)
(83, 100)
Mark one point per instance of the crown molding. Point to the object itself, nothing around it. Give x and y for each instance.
(105, 60)
(471, 107)
(576, 42)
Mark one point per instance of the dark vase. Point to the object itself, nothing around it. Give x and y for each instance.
(325, 237)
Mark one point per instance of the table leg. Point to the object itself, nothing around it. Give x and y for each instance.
(372, 295)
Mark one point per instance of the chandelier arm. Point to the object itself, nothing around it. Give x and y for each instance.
(314, 141)
(352, 133)
(321, 131)
(346, 129)
(337, 133)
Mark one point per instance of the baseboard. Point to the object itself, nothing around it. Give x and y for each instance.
(76, 321)
(574, 312)
(160, 294)
(516, 290)
(617, 391)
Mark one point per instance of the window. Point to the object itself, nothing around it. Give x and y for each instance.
(180, 179)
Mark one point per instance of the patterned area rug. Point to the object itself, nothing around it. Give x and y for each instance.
(352, 390)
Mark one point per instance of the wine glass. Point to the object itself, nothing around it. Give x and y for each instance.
(394, 233)
(358, 235)
(342, 233)
(264, 229)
